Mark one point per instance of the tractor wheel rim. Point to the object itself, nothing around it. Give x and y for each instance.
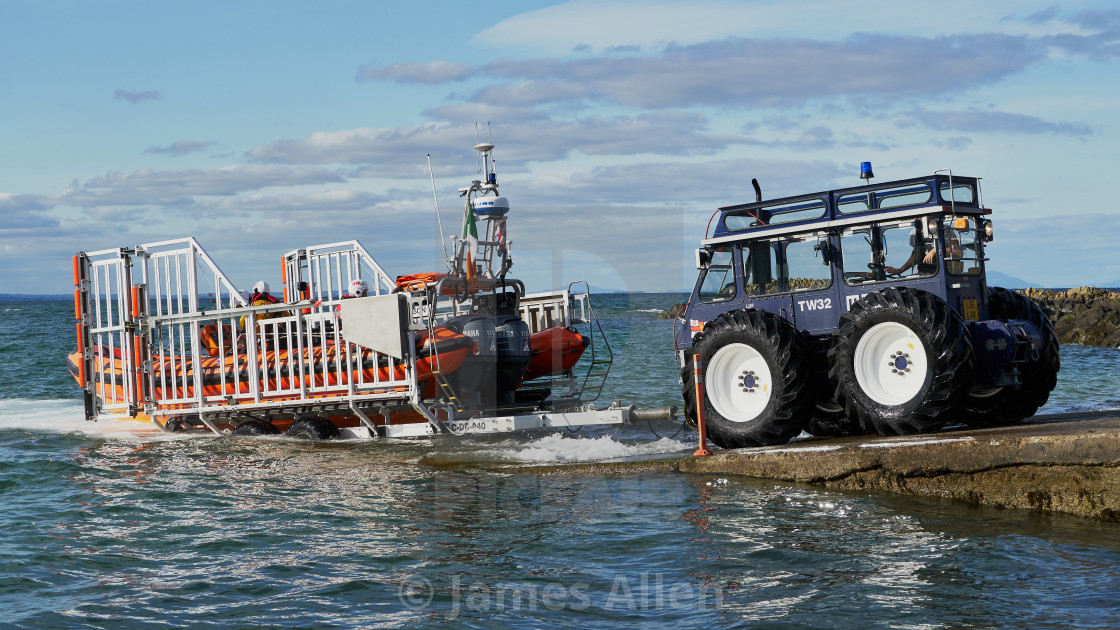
(739, 383)
(890, 363)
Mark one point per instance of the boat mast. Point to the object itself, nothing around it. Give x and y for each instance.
(480, 208)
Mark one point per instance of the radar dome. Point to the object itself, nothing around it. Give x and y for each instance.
(491, 206)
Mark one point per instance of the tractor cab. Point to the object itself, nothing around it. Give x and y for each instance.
(803, 271)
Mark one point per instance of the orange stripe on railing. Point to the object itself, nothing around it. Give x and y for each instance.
(77, 303)
(137, 360)
(134, 307)
(81, 356)
(77, 277)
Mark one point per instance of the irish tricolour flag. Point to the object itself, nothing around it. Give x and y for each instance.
(470, 238)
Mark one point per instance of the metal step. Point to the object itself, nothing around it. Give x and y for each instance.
(447, 390)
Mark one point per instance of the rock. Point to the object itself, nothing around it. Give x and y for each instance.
(1083, 315)
(673, 311)
(1052, 464)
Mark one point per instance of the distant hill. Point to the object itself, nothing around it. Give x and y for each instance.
(997, 279)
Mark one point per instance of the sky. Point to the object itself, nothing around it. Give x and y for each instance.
(259, 127)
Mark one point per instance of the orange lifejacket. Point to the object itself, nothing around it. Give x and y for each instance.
(260, 299)
(418, 281)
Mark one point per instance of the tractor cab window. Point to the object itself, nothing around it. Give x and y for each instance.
(858, 247)
(962, 246)
(807, 264)
(760, 268)
(909, 249)
(719, 277)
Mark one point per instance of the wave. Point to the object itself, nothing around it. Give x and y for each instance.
(67, 416)
(559, 448)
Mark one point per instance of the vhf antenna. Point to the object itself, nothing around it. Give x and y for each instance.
(477, 155)
(435, 197)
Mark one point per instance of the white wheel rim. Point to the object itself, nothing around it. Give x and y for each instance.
(890, 363)
(738, 384)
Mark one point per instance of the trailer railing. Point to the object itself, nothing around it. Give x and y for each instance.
(178, 339)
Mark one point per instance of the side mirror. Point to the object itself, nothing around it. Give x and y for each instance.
(825, 251)
(703, 258)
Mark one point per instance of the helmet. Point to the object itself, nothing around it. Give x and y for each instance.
(359, 287)
(260, 287)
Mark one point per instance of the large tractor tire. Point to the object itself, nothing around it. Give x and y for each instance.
(756, 369)
(901, 362)
(1015, 403)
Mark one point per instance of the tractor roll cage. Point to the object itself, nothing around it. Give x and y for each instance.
(861, 204)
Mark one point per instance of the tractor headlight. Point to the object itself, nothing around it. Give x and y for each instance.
(989, 231)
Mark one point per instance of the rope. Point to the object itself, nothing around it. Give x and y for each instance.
(671, 437)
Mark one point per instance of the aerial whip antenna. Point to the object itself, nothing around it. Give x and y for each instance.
(435, 197)
(477, 156)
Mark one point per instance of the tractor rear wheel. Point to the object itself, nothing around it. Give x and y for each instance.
(756, 370)
(1014, 403)
(901, 362)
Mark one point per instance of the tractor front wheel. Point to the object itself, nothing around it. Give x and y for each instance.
(756, 370)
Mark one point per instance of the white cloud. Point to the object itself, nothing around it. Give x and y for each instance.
(415, 72)
(176, 187)
(667, 132)
(989, 121)
(593, 26)
(181, 147)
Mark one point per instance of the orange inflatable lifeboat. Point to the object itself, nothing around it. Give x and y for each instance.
(554, 351)
(229, 375)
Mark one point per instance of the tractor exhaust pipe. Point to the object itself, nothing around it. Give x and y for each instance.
(757, 190)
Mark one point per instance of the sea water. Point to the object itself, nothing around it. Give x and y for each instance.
(108, 525)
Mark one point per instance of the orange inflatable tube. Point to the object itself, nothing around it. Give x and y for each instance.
(229, 375)
(554, 351)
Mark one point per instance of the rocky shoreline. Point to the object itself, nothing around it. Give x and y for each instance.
(1084, 315)
(1061, 463)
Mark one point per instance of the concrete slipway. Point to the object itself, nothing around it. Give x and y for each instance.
(1066, 463)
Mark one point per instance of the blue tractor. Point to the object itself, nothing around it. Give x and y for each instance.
(859, 310)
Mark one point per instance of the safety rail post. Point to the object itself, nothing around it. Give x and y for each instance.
(698, 376)
(139, 331)
(82, 315)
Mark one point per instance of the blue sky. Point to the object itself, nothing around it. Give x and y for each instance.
(261, 127)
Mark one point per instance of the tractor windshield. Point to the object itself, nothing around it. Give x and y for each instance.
(719, 278)
(963, 246)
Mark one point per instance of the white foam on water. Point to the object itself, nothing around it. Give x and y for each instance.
(559, 448)
(67, 416)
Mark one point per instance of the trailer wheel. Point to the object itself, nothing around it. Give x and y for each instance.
(901, 361)
(314, 429)
(755, 376)
(256, 427)
(1015, 403)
